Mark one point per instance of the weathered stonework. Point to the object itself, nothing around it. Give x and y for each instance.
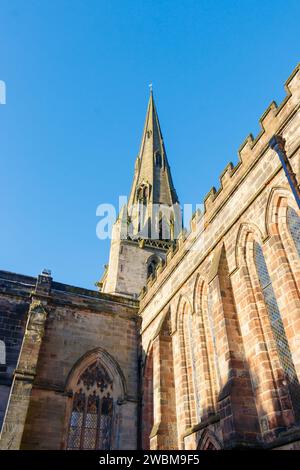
(65, 324)
(211, 280)
(208, 357)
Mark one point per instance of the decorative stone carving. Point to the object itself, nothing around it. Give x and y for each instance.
(95, 374)
(36, 322)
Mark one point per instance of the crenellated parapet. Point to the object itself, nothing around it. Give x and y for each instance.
(272, 120)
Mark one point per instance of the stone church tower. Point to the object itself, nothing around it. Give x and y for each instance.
(148, 226)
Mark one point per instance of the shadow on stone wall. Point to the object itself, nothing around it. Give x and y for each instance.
(241, 420)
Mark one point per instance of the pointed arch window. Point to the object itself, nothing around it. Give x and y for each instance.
(92, 410)
(151, 268)
(293, 222)
(277, 327)
(164, 226)
(152, 264)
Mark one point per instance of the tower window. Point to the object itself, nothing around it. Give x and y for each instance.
(152, 264)
(151, 268)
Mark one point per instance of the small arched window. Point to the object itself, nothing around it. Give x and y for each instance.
(277, 327)
(152, 263)
(91, 419)
(151, 267)
(160, 229)
(293, 222)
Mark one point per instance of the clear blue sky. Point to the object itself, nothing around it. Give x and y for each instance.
(77, 75)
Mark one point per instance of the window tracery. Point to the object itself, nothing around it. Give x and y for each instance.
(277, 327)
(92, 410)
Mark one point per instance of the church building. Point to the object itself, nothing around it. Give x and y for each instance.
(192, 340)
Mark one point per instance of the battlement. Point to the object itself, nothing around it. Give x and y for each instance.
(272, 120)
(252, 149)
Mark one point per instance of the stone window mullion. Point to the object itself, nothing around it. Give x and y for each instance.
(83, 422)
(98, 434)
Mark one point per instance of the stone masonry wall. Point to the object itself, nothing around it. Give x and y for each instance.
(213, 374)
(76, 325)
(127, 269)
(66, 327)
(14, 305)
(210, 282)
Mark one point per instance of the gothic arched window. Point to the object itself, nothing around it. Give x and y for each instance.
(92, 410)
(293, 222)
(277, 327)
(160, 229)
(152, 266)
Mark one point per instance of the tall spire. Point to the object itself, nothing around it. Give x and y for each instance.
(152, 168)
(152, 220)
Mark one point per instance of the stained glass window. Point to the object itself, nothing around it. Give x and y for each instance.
(92, 410)
(293, 221)
(278, 330)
